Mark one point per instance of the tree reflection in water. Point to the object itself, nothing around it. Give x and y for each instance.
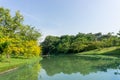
(82, 66)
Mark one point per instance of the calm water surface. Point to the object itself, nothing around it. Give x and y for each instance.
(79, 68)
(68, 68)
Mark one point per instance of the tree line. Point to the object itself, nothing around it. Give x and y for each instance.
(16, 38)
(67, 44)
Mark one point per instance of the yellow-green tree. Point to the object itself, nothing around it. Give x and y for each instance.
(17, 39)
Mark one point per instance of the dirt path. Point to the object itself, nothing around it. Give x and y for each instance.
(8, 70)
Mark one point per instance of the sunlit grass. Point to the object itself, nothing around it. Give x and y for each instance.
(15, 62)
(103, 51)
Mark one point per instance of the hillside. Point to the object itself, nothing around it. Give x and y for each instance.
(102, 51)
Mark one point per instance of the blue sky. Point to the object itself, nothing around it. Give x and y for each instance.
(59, 17)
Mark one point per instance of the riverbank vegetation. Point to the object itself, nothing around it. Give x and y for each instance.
(104, 51)
(28, 71)
(17, 39)
(16, 62)
(81, 42)
(18, 42)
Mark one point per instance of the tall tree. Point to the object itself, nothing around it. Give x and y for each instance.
(15, 37)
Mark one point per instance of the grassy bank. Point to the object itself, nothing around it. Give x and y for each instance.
(102, 51)
(15, 62)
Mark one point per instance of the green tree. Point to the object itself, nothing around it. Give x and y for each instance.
(15, 37)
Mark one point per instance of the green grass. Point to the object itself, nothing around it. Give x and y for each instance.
(15, 62)
(103, 51)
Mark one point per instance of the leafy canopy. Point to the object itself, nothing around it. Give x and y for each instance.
(16, 38)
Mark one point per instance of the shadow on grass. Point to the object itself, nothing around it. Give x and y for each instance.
(19, 57)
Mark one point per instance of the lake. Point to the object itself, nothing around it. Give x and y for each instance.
(68, 68)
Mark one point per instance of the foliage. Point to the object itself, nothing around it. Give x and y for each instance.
(17, 39)
(67, 44)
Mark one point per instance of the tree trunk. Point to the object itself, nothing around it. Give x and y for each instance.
(7, 56)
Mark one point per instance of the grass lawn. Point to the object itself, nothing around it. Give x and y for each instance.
(15, 62)
(103, 51)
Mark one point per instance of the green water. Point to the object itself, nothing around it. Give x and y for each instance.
(26, 72)
(68, 68)
(79, 68)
